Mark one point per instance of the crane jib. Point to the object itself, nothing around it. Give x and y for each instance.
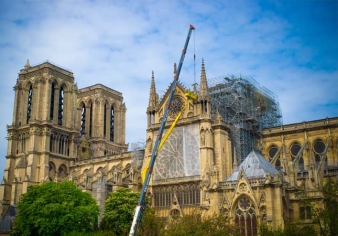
(138, 210)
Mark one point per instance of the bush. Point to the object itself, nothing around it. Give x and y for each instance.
(119, 211)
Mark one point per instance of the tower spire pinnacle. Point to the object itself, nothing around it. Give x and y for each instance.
(204, 94)
(27, 65)
(153, 98)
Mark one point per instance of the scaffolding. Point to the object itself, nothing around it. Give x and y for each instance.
(137, 155)
(247, 107)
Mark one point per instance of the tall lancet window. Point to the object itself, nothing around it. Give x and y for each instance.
(29, 103)
(245, 216)
(204, 105)
(104, 120)
(61, 102)
(152, 117)
(51, 109)
(295, 151)
(83, 120)
(111, 123)
(91, 120)
(319, 151)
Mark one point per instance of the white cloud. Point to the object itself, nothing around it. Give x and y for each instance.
(119, 43)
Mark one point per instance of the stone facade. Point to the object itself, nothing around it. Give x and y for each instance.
(268, 186)
(60, 132)
(306, 154)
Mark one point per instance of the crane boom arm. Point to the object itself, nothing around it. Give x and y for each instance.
(141, 203)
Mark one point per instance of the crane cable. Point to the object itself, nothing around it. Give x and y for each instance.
(194, 61)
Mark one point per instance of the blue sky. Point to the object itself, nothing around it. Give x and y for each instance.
(289, 47)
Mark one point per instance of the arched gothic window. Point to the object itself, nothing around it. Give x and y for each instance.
(278, 165)
(62, 172)
(187, 194)
(245, 217)
(152, 117)
(272, 152)
(61, 102)
(111, 123)
(319, 148)
(29, 103)
(51, 143)
(104, 120)
(91, 120)
(83, 120)
(51, 170)
(61, 144)
(51, 109)
(295, 149)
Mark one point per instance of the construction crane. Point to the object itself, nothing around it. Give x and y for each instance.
(141, 202)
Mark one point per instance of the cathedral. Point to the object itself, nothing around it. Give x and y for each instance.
(228, 154)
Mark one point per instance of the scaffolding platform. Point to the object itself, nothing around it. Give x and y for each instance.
(246, 106)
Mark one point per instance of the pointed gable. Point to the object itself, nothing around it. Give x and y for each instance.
(254, 166)
(180, 89)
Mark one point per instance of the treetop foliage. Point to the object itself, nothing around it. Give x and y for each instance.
(55, 209)
(194, 225)
(326, 218)
(119, 211)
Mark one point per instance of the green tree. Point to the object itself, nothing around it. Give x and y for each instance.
(119, 211)
(326, 217)
(150, 224)
(290, 229)
(194, 225)
(55, 209)
(94, 233)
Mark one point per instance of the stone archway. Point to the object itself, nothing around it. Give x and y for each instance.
(51, 171)
(62, 172)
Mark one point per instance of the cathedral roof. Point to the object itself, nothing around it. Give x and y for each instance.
(28, 68)
(254, 166)
(100, 87)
